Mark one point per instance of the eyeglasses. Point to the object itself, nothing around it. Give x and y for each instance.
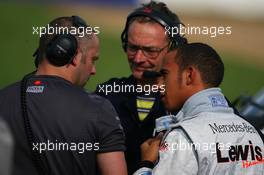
(151, 52)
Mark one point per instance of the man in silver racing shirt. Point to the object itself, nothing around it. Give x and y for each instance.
(205, 137)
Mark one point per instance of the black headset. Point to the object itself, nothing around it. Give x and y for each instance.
(63, 47)
(159, 16)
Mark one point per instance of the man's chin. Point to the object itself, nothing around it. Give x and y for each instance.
(172, 109)
(83, 84)
(167, 105)
(138, 75)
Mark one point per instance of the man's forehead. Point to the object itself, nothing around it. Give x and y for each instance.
(150, 34)
(138, 24)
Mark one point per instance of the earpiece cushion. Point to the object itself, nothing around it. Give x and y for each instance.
(61, 49)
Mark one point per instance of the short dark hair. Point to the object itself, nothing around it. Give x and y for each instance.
(155, 13)
(157, 6)
(205, 59)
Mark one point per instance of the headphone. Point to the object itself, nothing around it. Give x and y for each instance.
(63, 47)
(160, 17)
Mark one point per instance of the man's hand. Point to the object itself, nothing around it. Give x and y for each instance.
(150, 148)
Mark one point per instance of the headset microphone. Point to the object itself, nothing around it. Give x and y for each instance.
(151, 74)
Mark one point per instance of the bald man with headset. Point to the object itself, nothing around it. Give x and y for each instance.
(58, 127)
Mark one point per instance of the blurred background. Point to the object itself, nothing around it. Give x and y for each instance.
(242, 50)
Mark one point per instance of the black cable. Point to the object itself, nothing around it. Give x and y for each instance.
(29, 133)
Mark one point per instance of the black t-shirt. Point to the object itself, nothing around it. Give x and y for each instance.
(71, 124)
(136, 131)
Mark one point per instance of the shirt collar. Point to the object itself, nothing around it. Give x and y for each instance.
(208, 100)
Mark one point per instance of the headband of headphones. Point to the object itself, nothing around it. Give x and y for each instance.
(63, 47)
(160, 17)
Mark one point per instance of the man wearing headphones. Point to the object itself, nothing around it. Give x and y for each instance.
(145, 42)
(59, 128)
(206, 137)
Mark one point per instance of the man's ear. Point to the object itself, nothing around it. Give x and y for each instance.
(77, 58)
(190, 75)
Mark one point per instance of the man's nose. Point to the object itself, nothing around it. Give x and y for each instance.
(139, 56)
(93, 72)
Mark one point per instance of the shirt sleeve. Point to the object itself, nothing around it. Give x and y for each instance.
(175, 157)
(110, 132)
